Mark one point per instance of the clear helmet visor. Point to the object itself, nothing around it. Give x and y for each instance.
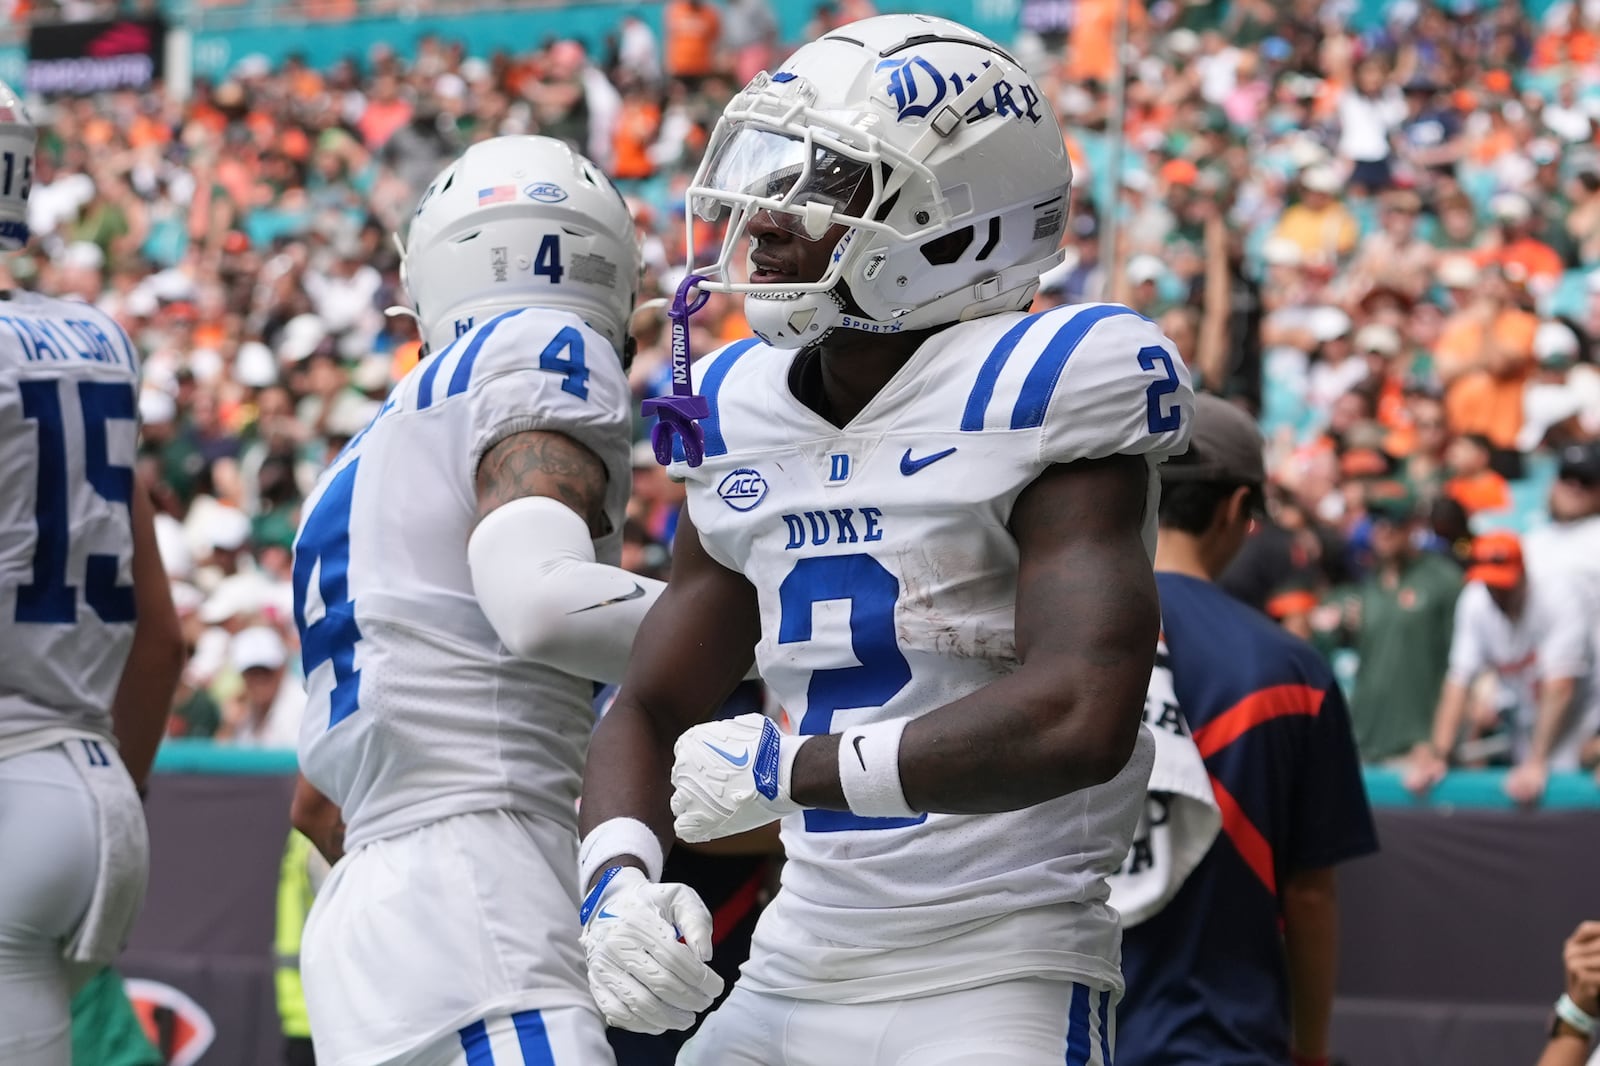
(805, 186)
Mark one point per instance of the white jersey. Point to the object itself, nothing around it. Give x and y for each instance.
(887, 582)
(68, 432)
(415, 711)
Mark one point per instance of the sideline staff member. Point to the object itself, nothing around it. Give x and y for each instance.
(1239, 966)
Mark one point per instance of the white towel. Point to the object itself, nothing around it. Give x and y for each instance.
(124, 865)
(1180, 820)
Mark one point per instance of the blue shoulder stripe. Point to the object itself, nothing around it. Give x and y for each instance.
(1040, 384)
(463, 375)
(989, 373)
(712, 423)
(431, 371)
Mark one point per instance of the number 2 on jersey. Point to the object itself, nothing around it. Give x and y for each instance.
(872, 592)
(1160, 420)
(48, 599)
(331, 633)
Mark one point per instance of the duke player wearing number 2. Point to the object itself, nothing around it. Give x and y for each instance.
(930, 518)
(455, 588)
(91, 644)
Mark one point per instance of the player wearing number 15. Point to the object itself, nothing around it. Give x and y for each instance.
(455, 588)
(89, 645)
(930, 517)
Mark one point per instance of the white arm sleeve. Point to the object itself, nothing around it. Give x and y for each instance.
(537, 581)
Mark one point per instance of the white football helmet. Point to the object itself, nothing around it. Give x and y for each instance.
(929, 141)
(17, 144)
(521, 222)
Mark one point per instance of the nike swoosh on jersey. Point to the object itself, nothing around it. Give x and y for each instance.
(605, 914)
(638, 590)
(856, 743)
(909, 466)
(740, 761)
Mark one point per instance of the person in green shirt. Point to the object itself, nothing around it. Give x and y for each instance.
(105, 1030)
(1399, 619)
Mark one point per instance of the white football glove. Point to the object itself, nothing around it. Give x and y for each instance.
(642, 976)
(731, 776)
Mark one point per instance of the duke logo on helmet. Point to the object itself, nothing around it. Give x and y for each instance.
(918, 88)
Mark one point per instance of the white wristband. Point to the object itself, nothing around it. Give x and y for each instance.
(869, 770)
(614, 838)
(1575, 1016)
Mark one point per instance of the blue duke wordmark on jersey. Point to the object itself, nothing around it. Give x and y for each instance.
(893, 592)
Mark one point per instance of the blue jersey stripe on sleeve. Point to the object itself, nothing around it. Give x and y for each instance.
(463, 375)
(532, 1039)
(1078, 1046)
(1105, 1027)
(1040, 384)
(475, 1042)
(989, 373)
(712, 423)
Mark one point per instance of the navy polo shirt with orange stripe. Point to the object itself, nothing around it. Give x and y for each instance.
(1207, 976)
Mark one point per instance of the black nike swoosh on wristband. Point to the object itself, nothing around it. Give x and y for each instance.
(638, 591)
(856, 743)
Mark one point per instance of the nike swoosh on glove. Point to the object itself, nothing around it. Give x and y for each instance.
(643, 977)
(731, 776)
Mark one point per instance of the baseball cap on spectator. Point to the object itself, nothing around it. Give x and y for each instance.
(225, 528)
(240, 594)
(1580, 463)
(1226, 447)
(83, 255)
(1378, 338)
(173, 546)
(1179, 172)
(1554, 344)
(302, 335)
(1510, 207)
(257, 648)
(1458, 272)
(1327, 324)
(1544, 151)
(1496, 560)
(1143, 268)
(254, 367)
(156, 408)
(1543, 408)
(1390, 500)
(1281, 251)
(1321, 178)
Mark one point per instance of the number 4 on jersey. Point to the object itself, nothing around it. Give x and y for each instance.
(323, 610)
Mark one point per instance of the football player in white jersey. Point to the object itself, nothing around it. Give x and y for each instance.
(92, 649)
(930, 517)
(455, 589)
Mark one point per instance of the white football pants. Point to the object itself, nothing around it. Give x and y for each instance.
(49, 855)
(1025, 1022)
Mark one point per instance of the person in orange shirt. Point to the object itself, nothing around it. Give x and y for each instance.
(635, 132)
(1573, 43)
(1472, 483)
(1519, 254)
(1089, 51)
(692, 30)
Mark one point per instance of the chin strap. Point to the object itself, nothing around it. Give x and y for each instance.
(679, 414)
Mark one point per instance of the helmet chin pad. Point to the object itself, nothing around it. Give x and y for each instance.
(792, 320)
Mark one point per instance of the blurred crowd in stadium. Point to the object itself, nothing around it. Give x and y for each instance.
(1387, 246)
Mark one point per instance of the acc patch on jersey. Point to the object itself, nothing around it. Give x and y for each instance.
(743, 489)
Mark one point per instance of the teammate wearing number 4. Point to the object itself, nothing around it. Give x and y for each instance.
(455, 589)
(92, 647)
(930, 519)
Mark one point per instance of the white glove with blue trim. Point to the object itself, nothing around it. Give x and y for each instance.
(731, 776)
(647, 946)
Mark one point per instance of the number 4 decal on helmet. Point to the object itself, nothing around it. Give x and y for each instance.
(548, 262)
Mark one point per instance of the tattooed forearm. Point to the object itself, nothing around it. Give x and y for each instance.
(544, 464)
